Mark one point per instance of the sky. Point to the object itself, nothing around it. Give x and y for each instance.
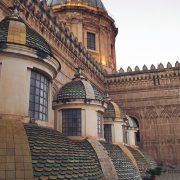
(148, 31)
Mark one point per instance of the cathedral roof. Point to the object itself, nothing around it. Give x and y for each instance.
(56, 157)
(79, 88)
(112, 111)
(13, 30)
(84, 3)
(124, 167)
(142, 160)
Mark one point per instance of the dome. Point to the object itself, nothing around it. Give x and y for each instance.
(112, 111)
(84, 3)
(131, 123)
(14, 31)
(54, 156)
(124, 166)
(79, 88)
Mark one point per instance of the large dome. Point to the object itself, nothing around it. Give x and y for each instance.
(93, 3)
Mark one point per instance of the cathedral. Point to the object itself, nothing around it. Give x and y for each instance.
(66, 112)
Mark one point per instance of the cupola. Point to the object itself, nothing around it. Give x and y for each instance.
(79, 109)
(113, 123)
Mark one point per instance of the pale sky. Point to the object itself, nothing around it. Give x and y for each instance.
(149, 31)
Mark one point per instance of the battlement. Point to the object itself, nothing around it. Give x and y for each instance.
(152, 68)
(154, 73)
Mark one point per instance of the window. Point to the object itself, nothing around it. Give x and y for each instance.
(91, 41)
(108, 133)
(126, 137)
(99, 124)
(71, 122)
(38, 100)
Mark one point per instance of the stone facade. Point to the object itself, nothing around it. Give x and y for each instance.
(153, 98)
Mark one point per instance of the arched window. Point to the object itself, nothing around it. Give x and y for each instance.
(108, 132)
(137, 135)
(71, 122)
(38, 99)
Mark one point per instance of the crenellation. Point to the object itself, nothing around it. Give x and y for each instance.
(169, 65)
(145, 68)
(160, 66)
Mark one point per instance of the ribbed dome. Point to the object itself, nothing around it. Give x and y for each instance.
(93, 3)
(13, 30)
(112, 111)
(79, 88)
(54, 156)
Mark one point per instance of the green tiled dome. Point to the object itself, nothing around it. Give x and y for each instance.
(112, 111)
(140, 159)
(56, 157)
(13, 30)
(124, 167)
(79, 89)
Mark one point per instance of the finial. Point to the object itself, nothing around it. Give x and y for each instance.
(78, 74)
(15, 9)
(107, 98)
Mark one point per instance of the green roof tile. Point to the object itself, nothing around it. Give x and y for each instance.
(59, 163)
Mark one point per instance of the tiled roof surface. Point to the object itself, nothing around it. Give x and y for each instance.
(140, 159)
(110, 111)
(76, 90)
(56, 157)
(123, 165)
(28, 37)
(151, 162)
(98, 94)
(4, 31)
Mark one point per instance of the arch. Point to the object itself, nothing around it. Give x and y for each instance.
(138, 138)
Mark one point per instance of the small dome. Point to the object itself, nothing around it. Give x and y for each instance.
(131, 123)
(112, 111)
(84, 3)
(13, 30)
(79, 88)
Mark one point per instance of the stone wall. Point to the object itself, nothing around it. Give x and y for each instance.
(153, 98)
